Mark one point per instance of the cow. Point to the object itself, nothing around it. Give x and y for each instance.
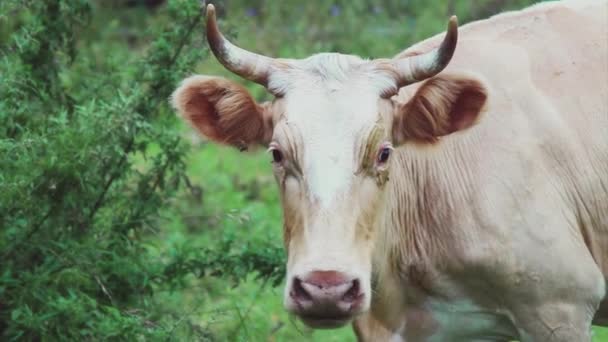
(455, 192)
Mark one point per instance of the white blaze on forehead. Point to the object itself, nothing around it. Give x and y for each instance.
(332, 118)
(331, 99)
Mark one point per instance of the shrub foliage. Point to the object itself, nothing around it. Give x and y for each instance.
(89, 157)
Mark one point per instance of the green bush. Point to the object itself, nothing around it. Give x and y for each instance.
(90, 154)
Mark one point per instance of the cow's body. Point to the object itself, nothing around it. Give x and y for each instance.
(498, 231)
(506, 224)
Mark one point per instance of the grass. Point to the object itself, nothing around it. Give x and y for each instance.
(600, 334)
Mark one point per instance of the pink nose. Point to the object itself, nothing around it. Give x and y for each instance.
(326, 296)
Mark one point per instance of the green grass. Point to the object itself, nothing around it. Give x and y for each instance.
(600, 334)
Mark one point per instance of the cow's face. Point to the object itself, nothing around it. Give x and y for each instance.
(330, 133)
(331, 152)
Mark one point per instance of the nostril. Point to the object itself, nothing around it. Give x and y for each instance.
(353, 293)
(298, 292)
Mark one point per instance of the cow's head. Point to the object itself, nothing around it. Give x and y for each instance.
(330, 132)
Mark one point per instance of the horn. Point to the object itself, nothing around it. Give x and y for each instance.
(249, 65)
(417, 68)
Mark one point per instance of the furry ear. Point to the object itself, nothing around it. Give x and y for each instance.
(223, 111)
(442, 105)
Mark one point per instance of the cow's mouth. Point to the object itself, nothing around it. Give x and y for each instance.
(325, 322)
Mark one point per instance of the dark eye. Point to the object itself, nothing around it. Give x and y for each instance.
(383, 155)
(277, 156)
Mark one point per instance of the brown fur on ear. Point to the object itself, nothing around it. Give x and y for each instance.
(442, 105)
(223, 111)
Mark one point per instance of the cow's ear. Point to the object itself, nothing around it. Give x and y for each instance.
(442, 105)
(223, 111)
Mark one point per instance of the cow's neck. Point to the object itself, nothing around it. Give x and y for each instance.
(419, 232)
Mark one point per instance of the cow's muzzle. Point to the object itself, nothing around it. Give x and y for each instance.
(325, 299)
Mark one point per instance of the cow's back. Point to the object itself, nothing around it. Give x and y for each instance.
(560, 47)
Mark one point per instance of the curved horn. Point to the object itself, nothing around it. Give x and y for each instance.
(417, 68)
(246, 64)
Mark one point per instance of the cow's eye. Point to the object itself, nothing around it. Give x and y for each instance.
(384, 154)
(277, 155)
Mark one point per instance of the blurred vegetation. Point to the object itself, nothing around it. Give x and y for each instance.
(116, 221)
